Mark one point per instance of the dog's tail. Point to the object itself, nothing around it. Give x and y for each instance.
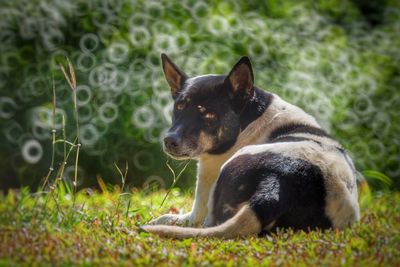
(245, 222)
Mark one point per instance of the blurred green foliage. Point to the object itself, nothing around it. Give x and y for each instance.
(339, 60)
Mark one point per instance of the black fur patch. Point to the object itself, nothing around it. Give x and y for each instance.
(294, 128)
(288, 191)
(291, 139)
(255, 108)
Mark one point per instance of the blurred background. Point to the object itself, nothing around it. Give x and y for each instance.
(337, 59)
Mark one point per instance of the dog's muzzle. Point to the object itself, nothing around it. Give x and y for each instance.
(172, 143)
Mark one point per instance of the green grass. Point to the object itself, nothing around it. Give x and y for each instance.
(51, 230)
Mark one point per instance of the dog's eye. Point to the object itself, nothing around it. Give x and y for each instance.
(210, 116)
(180, 106)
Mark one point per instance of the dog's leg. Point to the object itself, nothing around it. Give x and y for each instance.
(193, 218)
(206, 178)
(245, 222)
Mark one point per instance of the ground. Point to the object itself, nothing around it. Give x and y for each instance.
(100, 228)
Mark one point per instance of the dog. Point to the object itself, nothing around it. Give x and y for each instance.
(263, 163)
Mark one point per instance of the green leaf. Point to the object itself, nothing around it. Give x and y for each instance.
(378, 176)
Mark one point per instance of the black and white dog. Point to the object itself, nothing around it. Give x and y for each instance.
(262, 162)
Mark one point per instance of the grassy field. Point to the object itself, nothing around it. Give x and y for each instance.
(101, 228)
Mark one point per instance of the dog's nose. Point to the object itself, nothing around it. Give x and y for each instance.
(171, 141)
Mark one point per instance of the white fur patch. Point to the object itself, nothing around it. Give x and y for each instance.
(245, 222)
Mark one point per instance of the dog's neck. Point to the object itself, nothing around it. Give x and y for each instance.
(255, 108)
(253, 120)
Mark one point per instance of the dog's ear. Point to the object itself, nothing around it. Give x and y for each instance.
(240, 82)
(175, 77)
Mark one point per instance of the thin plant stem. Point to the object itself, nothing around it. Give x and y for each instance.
(123, 180)
(53, 132)
(64, 141)
(175, 179)
(78, 148)
(77, 138)
(60, 172)
(71, 79)
(64, 136)
(75, 183)
(127, 209)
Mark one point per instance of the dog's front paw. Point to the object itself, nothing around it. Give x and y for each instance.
(172, 219)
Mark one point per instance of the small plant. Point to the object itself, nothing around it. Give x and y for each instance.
(175, 179)
(121, 193)
(57, 188)
(71, 79)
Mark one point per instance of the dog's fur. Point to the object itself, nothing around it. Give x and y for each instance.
(262, 162)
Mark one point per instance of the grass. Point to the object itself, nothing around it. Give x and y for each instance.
(101, 229)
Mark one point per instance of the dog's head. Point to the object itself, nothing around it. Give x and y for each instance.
(206, 114)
